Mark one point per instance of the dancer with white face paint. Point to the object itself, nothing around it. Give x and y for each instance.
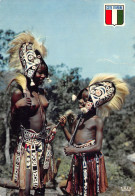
(87, 176)
(33, 158)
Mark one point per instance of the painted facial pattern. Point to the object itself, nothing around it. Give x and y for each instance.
(101, 93)
(29, 59)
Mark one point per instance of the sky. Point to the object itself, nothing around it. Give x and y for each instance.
(75, 34)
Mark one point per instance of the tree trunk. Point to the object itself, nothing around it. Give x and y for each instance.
(7, 154)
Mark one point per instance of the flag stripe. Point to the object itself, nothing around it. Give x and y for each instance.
(108, 17)
(114, 16)
(120, 17)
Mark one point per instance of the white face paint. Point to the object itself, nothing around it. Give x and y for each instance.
(95, 95)
(30, 61)
(101, 93)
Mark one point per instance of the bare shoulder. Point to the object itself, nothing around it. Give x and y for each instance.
(42, 91)
(17, 95)
(43, 98)
(98, 120)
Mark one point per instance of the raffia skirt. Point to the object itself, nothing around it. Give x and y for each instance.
(75, 178)
(36, 156)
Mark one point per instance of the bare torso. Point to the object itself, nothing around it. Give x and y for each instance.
(38, 117)
(86, 131)
(33, 116)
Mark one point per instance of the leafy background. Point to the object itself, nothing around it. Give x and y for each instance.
(119, 128)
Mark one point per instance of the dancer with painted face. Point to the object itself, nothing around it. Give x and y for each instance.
(32, 157)
(88, 174)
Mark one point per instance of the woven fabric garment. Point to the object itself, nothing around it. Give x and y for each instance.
(75, 183)
(33, 154)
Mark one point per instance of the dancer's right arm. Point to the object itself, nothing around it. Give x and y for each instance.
(18, 101)
(63, 125)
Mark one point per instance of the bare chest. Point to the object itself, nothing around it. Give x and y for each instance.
(38, 100)
(86, 131)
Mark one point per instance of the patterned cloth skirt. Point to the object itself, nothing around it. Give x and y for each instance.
(87, 175)
(34, 155)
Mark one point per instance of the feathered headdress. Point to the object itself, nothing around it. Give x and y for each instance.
(21, 80)
(117, 100)
(106, 92)
(27, 53)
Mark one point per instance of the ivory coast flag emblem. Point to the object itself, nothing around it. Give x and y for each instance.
(114, 14)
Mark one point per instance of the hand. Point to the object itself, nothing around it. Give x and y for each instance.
(26, 101)
(51, 135)
(62, 121)
(69, 150)
(53, 130)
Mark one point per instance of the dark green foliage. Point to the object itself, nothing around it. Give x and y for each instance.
(59, 92)
(119, 139)
(119, 129)
(5, 38)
